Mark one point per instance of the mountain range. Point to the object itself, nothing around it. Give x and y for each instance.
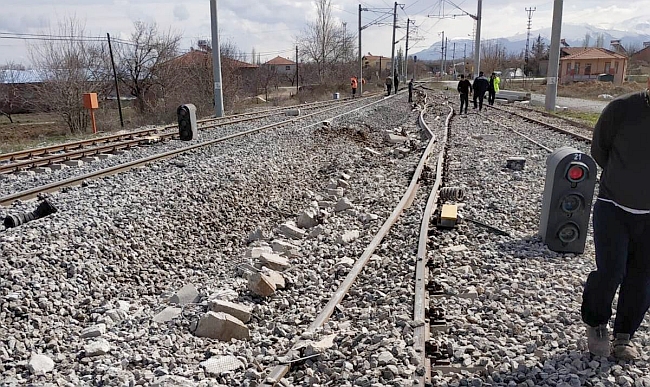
(574, 35)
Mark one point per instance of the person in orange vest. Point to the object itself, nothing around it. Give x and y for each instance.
(354, 83)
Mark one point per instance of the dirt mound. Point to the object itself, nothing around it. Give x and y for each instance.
(592, 89)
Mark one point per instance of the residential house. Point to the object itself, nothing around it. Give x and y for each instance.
(587, 63)
(282, 66)
(374, 63)
(642, 56)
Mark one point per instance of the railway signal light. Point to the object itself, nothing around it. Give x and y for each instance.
(187, 127)
(566, 204)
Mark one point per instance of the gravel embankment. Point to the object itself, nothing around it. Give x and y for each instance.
(121, 246)
(525, 325)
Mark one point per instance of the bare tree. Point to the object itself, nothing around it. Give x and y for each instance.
(69, 67)
(141, 62)
(600, 40)
(323, 41)
(586, 40)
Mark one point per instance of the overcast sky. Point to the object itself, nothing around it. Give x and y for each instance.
(271, 26)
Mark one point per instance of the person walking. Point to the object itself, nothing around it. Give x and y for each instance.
(621, 225)
(353, 83)
(464, 89)
(389, 84)
(396, 81)
(411, 90)
(492, 89)
(480, 86)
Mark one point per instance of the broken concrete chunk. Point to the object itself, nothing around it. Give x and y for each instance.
(221, 326)
(261, 285)
(40, 364)
(290, 230)
(274, 261)
(319, 347)
(283, 247)
(167, 314)
(395, 139)
(255, 252)
(186, 295)
(469, 293)
(97, 348)
(242, 312)
(276, 278)
(221, 365)
(337, 192)
(365, 218)
(93, 331)
(256, 235)
(348, 237)
(343, 204)
(343, 184)
(345, 176)
(346, 261)
(307, 219)
(173, 381)
(456, 249)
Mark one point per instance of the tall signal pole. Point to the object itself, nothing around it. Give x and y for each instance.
(530, 22)
(406, 57)
(554, 56)
(216, 61)
(442, 55)
(297, 73)
(360, 80)
(477, 43)
(392, 51)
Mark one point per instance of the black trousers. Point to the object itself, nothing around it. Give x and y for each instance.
(410, 96)
(388, 87)
(396, 85)
(480, 97)
(491, 96)
(464, 101)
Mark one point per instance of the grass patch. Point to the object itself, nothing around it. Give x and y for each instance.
(589, 118)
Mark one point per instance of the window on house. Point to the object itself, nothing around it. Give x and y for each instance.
(576, 68)
(588, 69)
(287, 68)
(608, 66)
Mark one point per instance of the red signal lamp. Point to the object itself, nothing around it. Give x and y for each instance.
(576, 173)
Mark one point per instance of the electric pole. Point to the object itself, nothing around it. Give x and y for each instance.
(392, 52)
(345, 42)
(360, 80)
(446, 50)
(442, 55)
(530, 22)
(297, 73)
(453, 59)
(477, 43)
(117, 89)
(216, 61)
(406, 57)
(554, 56)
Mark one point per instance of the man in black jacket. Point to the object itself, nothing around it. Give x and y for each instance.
(621, 224)
(464, 89)
(480, 86)
(396, 81)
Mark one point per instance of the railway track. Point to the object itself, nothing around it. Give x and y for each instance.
(76, 180)
(47, 156)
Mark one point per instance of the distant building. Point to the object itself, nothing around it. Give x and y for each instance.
(18, 90)
(374, 63)
(282, 66)
(643, 55)
(588, 63)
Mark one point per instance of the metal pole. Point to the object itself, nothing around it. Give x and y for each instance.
(453, 59)
(360, 80)
(465, 58)
(297, 73)
(216, 61)
(392, 52)
(477, 43)
(554, 56)
(446, 50)
(406, 57)
(442, 55)
(117, 89)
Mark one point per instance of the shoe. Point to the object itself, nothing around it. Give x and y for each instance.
(623, 348)
(598, 340)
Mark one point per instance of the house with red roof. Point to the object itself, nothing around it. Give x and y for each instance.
(281, 66)
(588, 63)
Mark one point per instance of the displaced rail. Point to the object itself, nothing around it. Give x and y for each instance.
(45, 156)
(76, 180)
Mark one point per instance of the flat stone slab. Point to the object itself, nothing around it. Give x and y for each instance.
(348, 237)
(167, 314)
(307, 219)
(256, 252)
(261, 285)
(221, 326)
(275, 278)
(343, 204)
(274, 261)
(291, 230)
(97, 348)
(93, 331)
(242, 312)
(186, 295)
(395, 139)
(221, 364)
(282, 247)
(40, 364)
(338, 192)
(73, 163)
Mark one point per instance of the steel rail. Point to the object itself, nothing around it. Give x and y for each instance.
(278, 372)
(546, 124)
(422, 330)
(145, 132)
(52, 187)
(520, 134)
(60, 157)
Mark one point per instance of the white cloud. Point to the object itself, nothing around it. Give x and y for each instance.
(181, 13)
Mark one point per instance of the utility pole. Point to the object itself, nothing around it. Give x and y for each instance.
(464, 59)
(530, 22)
(360, 80)
(117, 89)
(453, 59)
(442, 55)
(554, 56)
(297, 72)
(446, 50)
(406, 57)
(345, 42)
(392, 52)
(477, 43)
(216, 61)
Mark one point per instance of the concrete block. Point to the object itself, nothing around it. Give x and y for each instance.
(104, 156)
(58, 167)
(283, 247)
(41, 170)
(93, 331)
(307, 219)
(321, 346)
(261, 285)
(89, 159)
(73, 163)
(348, 237)
(242, 312)
(220, 365)
(186, 295)
(292, 112)
(274, 261)
(167, 314)
(221, 326)
(343, 204)
(395, 139)
(97, 348)
(40, 364)
(291, 230)
(256, 252)
(275, 278)
(516, 163)
(325, 204)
